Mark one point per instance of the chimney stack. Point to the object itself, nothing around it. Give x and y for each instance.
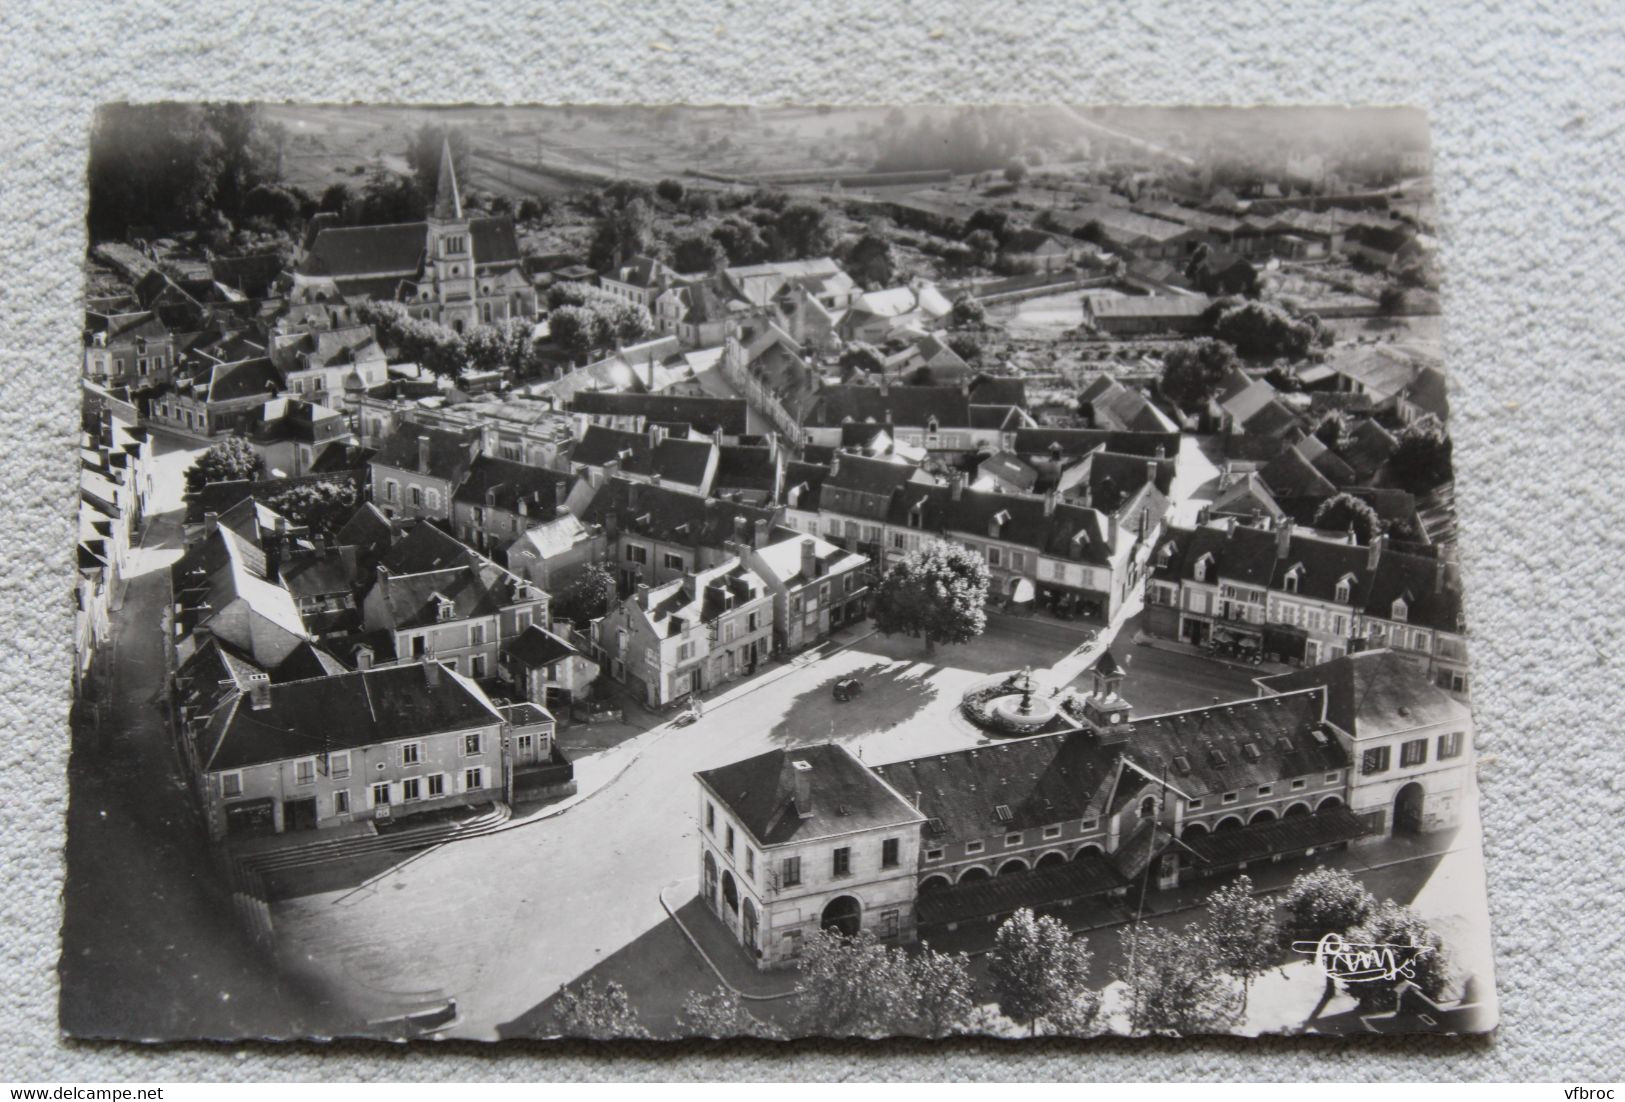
(1051, 496)
(1374, 552)
(956, 485)
(1151, 472)
(801, 772)
(259, 691)
(1283, 539)
(423, 454)
(809, 558)
(431, 673)
(1438, 575)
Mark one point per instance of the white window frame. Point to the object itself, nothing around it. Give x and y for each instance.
(477, 738)
(1052, 832)
(372, 794)
(341, 802)
(338, 764)
(230, 780)
(436, 785)
(411, 753)
(975, 847)
(302, 764)
(473, 778)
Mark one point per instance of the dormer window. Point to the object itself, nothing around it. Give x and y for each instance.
(1290, 582)
(1344, 588)
(931, 426)
(1199, 572)
(1400, 610)
(444, 609)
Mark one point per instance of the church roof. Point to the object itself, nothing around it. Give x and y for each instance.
(365, 250)
(389, 253)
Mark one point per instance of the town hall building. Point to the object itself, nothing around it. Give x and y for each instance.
(1348, 752)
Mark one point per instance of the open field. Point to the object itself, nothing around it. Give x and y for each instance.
(563, 148)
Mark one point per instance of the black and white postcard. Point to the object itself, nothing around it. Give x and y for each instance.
(657, 572)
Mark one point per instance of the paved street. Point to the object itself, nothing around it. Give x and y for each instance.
(500, 922)
(151, 949)
(1158, 681)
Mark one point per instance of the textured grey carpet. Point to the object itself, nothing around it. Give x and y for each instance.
(1527, 110)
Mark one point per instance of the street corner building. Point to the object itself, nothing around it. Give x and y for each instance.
(355, 747)
(1358, 749)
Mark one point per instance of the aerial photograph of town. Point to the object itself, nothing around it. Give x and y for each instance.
(665, 572)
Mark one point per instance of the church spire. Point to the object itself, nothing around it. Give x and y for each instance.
(448, 204)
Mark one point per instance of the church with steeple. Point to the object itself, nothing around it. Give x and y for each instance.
(458, 270)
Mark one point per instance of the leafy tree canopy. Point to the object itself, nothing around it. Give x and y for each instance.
(233, 459)
(1174, 985)
(1422, 462)
(938, 592)
(698, 252)
(1192, 372)
(856, 987)
(1241, 929)
(871, 261)
(322, 507)
(968, 311)
(588, 597)
(172, 166)
(1263, 329)
(1323, 901)
(1040, 973)
(721, 1013)
(1430, 967)
(595, 1013)
(1346, 511)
